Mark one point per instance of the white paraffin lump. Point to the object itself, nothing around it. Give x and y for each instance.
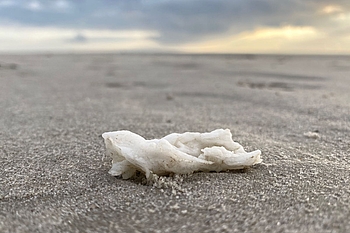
(176, 153)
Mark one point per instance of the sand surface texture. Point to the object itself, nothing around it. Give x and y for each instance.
(54, 175)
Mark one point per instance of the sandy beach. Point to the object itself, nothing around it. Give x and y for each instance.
(54, 174)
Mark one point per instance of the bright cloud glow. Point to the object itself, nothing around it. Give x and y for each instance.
(12, 39)
(330, 9)
(62, 4)
(34, 6)
(40, 34)
(126, 34)
(342, 18)
(286, 32)
(263, 40)
(286, 39)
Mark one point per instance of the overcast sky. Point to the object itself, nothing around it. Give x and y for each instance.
(199, 26)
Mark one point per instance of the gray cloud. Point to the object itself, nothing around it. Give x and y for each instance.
(177, 21)
(79, 38)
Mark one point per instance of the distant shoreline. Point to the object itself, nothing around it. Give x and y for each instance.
(149, 53)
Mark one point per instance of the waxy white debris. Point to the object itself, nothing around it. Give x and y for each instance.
(176, 153)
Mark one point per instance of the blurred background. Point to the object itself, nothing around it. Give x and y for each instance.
(182, 26)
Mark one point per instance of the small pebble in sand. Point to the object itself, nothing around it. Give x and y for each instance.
(313, 135)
